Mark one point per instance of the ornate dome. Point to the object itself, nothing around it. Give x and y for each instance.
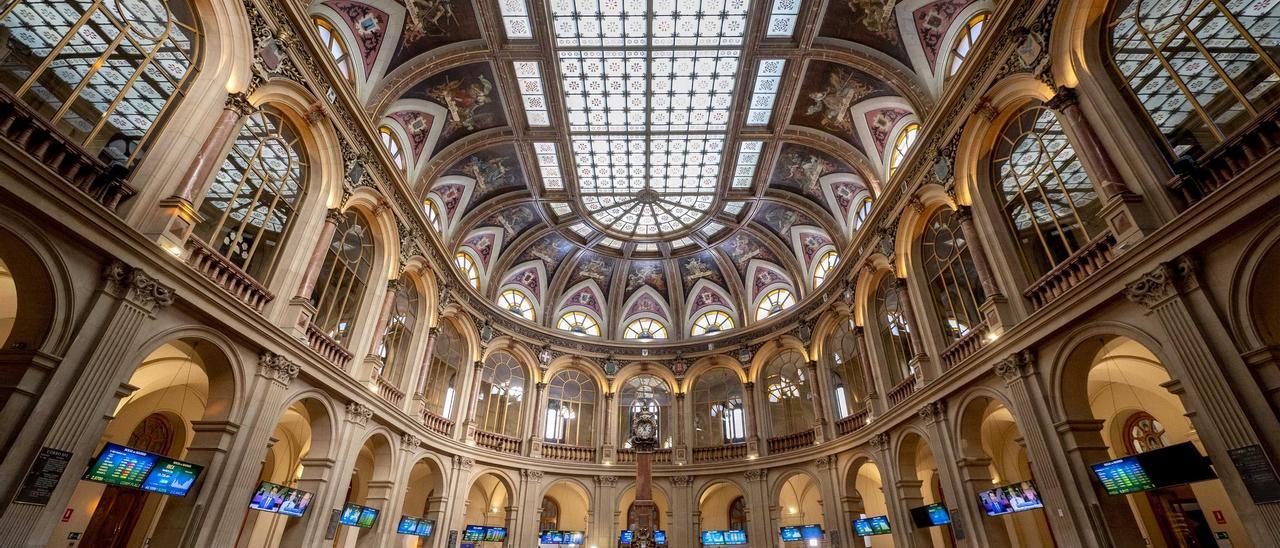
(625, 172)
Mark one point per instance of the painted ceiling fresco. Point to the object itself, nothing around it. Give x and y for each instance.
(647, 164)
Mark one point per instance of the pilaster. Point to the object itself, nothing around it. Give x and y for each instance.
(980, 532)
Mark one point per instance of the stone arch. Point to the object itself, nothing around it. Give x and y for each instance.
(305, 429)
(714, 501)
(573, 515)
(1254, 317)
(36, 308)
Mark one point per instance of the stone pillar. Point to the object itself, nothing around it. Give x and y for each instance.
(913, 325)
(759, 528)
(468, 399)
(680, 454)
(420, 383)
(817, 397)
(328, 476)
(527, 524)
(381, 495)
(853, 507)
(1110, 522)
(869, 379)
(532, 430)
(302, 311)
(979, 532)
(753, 424)
(460, 488)
(682, 532)
(975, 476)
(995, 309)
(829, 487)
(608, 454)
(882, 447)
(177, 216)
(437, 512)
(76, 415)
(1064, 502)
(384, 316)
(1124, 210)
(1223, 400)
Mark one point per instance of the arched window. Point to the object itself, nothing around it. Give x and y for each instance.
(952, 276)
(965, 41)
(8, 303)
(549, 515)
(826, 264)
(738, 514)
(629, 405)
(500, 397)
(448, 358)
(253, 199)
(392, 143)
(843, 359)
(892, 322)
(467, 266)
(864, 211)
(103, 72)
(341, 286)
(332, 42)
(516, 302)
(571, 409)
(787, 396)
(1047, 197)
(433, 213)
(579, 323)
(1144, 433)
(718, 415)
(401, 323)
(714, 321)
(902, 146)
(774, 302)
(645, 329)
(1201, 70)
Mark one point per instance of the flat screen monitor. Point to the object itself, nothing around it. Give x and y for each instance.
(367, 517)
(626, 537)
(473, 533)
(1007, 499)
(931, 515)
(811, 532)
(735, 537)
(713, 538)
(122, 466)
(295, 503)
(660, 538)
(790, 534)
(724, 538)
(875, 525)
(350, 515)
(425, 527)
(172, 477)
(408, 526)
(495, 534)
(275, 498)
(1173, 465)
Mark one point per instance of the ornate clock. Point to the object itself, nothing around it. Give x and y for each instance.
(644, 431)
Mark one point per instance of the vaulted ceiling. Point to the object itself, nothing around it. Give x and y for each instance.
(647, 158)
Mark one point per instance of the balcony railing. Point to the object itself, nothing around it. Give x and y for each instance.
(1078, 267)
(791, 442)
(328, 348)
(498, 442)
(226, 275)
(29, 132)
(436, 423)
(388, 391)
(965, 346)
(661, 456)
(854, 422)
(728, 451)
(1217, 166)
(574, 453)
(902, 390)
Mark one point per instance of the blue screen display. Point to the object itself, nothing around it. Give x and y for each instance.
(408, 526)
(660, 537)
(473, 532)
(626, 537)
(350, 514)
(877, 525)
(120, 465)
(424, 527)
(172, 477)
(724, 538)
(790, 534)
(1121, 476)
(809, 532)
(367, 517)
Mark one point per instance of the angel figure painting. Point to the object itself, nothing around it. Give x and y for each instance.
(463, 100)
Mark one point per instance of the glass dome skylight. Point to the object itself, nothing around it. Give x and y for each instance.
(648, 87)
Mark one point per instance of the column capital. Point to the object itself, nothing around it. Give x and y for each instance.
(1016, 366)
(964, 213)
(333, 216)
(277, 368)
(756, 475)
(824, 462)
(933, 412)
(880, 442)
(393, 286)
(433, 332)
(533, 476)
(606, 481)
(682, 481)
(409, 442)
(238, 102)
(463, 463)
(359, 413)
(478, 364)
(1063, 98)
(136, 286)
(1167, 280)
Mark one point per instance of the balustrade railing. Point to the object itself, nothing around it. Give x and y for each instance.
(660, 456)
(728, 451)
(574, 453)
(328, 348)
(1217, 166)
(498, 442)
(965, 346)
(854, 422)
(1079, 266)
(902, 390)
(224, 274)
(436, 423)
(30, 133)
(791, 442)
(388, 391)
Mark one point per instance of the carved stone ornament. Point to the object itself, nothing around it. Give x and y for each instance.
(933, 411)
(409, 442)
(463, 463)
(679, 365)
(136, 286)
(545, 355)
(487, 333)
(534, 476)
(277, 367)
(359, 413)
(1155, 287)
(755, 475)
(880, 442)
(824, 462)
(611, 366)
(1016, 366)
(239, 102)
(1063, 98)
(804, 331)
(606, 481)
(445, 298)
(746, 354)
(682, 481)
(942, 169)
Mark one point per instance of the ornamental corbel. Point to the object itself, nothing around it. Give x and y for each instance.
(932, 412)
(359, 413)
(277, 367)
(1016, 366)
(1167, 280)
(409, 442)
(880, 442)
(136, 286)
(682, 481)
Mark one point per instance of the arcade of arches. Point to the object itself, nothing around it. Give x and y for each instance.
(367, 273)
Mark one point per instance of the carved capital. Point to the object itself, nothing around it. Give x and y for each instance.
(359, 413)
(534, 476)
(409, 442)
(136, 286)
(1016, 366)
(682, 481)
(432, 333)
(606, 481)
(239, 102)
(394, 286)
(824, 462)
(333, 216)
(1063, 99)
(463, 463)
(277, 367)
(880, 442)
(1167, 280)
(755, 475)
(932, 412)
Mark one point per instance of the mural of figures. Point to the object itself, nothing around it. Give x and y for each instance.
(872, 23)
(469, 96)
(827, 94)
(494, 169)
(430, 24)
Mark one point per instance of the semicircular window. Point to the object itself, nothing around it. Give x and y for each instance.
(579, 323)
(517, 303)
(774, 302)
(711, 322)
(645, 329)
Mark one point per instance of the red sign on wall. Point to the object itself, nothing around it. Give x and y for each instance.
(66, 516)
(1219, 517)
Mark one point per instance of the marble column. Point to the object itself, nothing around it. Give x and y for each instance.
(758, 505)
(870, 380)
(680, 452)
(532, 431)
(882, 447)
(420, 382)
(302, 311)
(90, 384)
(817, 396)
(530, 490)
(380, 494)
(469, 401)
(608, 453)
(753, 424)
(913, 325)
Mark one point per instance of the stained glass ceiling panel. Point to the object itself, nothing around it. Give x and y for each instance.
(648, 90)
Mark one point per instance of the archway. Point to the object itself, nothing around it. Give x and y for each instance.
(722, 507)
(993, 453)
(302, 433)
(8, 302)
(370, 486)
(625, 519)
(423, 498)
(566, 506)
(1127, 393)
(799, 502)
(919, 485)
(864, 497)
(182, 382)
(489, 503)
